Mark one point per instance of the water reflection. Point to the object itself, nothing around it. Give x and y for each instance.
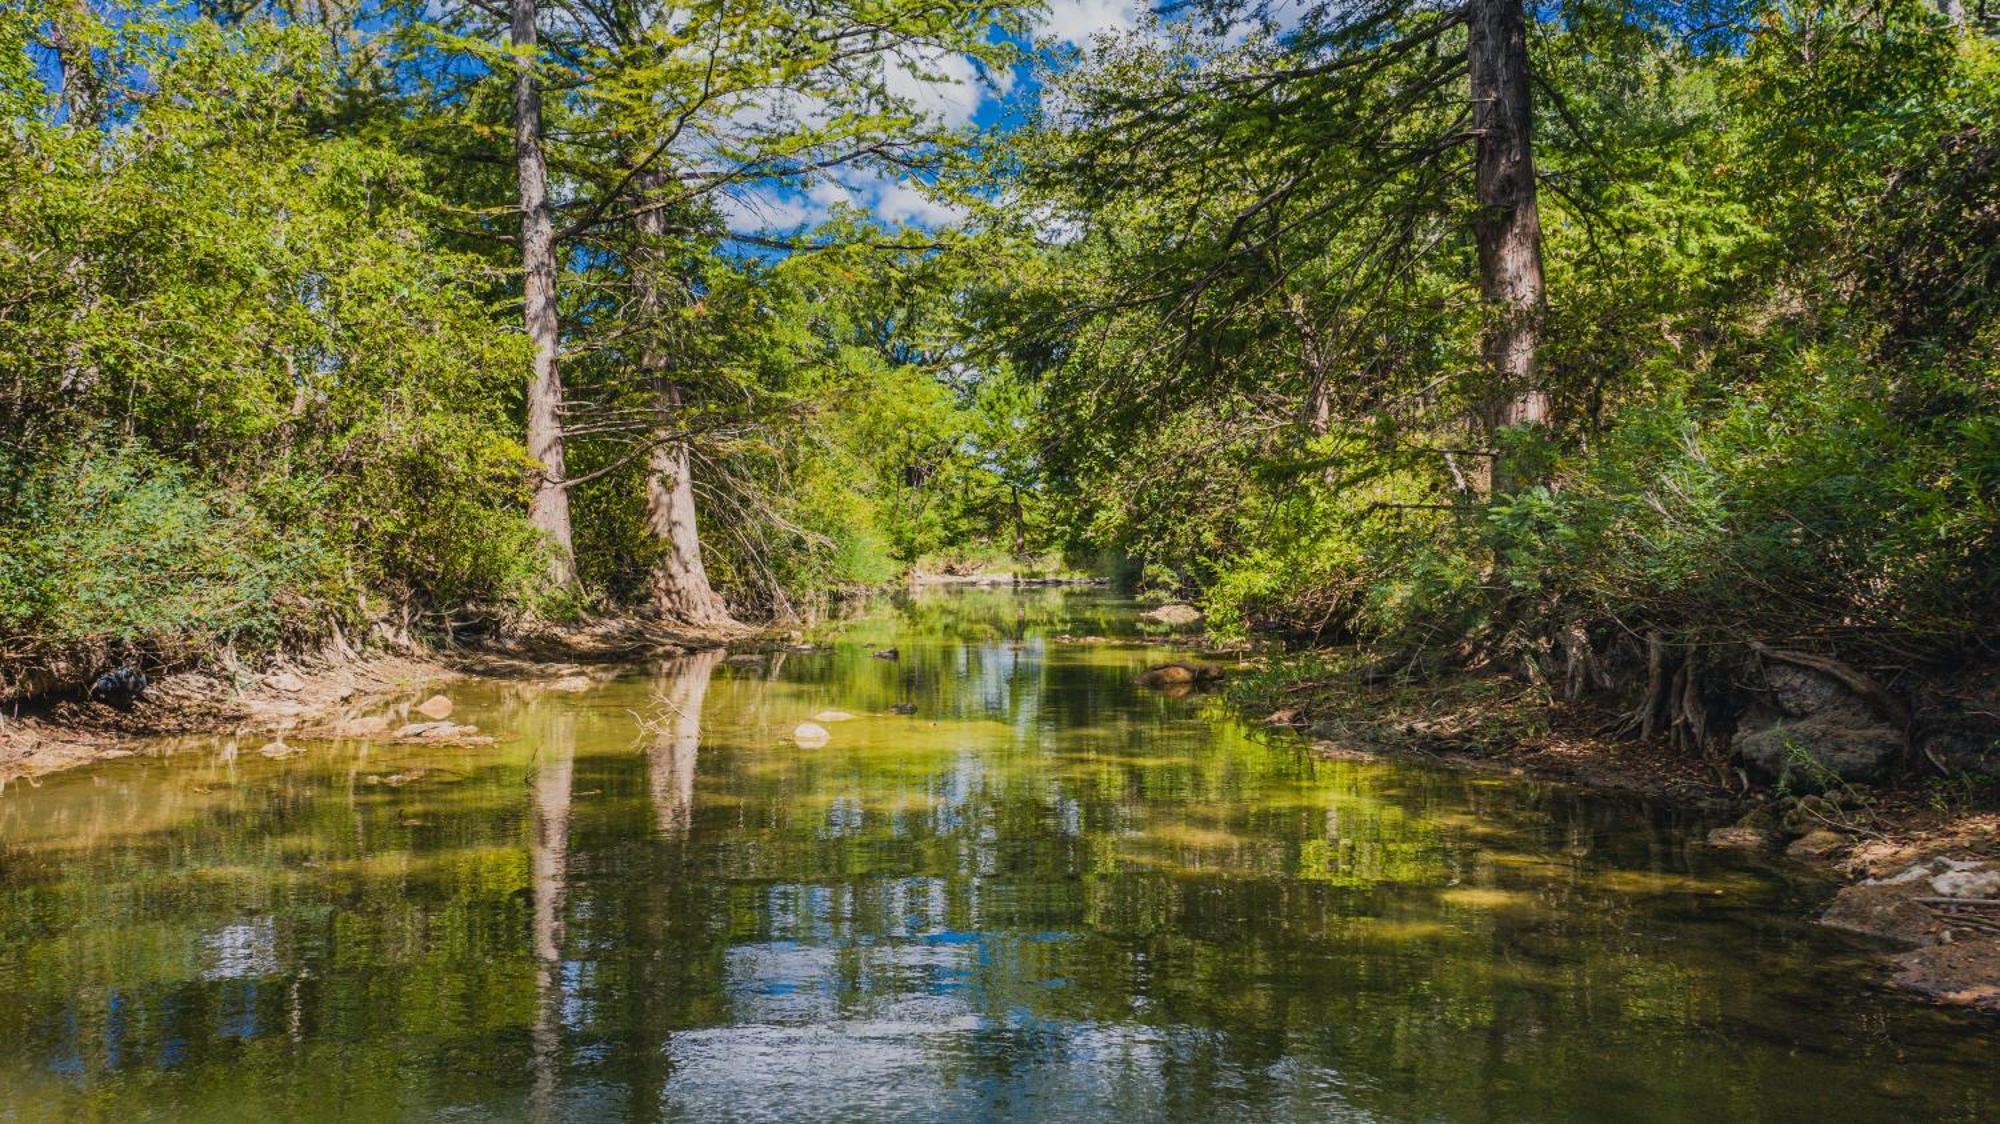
(675, 729)
(1046, 893)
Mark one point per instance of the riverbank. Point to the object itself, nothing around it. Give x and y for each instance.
(1917, 858)
(334, 692)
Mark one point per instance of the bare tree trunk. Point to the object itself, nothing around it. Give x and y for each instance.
(681, 590)
(548, 510)
(1508, 225)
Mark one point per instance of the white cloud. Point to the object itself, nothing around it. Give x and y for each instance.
(1079, 21)
(942, 85)
(902, 202)
(768, 209)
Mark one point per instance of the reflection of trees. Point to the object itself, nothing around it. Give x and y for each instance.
(676, 738)
(548, 862)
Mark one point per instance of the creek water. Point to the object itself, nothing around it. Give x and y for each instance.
(1045, 894)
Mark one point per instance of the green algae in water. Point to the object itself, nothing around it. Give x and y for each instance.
(1045, 894)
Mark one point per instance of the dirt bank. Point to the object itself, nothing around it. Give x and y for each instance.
(326, 694)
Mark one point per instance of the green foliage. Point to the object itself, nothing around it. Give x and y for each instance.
(1771, 344)
(114, 546)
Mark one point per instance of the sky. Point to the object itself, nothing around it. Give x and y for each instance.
(963, 98)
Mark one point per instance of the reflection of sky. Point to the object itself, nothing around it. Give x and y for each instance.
(966, 1066)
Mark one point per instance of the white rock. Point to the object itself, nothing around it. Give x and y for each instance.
(832, 716)
(811, 735)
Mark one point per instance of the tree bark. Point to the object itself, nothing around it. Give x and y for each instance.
(1508, 225)
(548, 510)
(68, 40)
(681, 590)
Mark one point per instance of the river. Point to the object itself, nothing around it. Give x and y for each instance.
(1046, 894)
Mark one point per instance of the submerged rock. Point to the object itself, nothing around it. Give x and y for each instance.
(437, 706)
(363, 727)
(832, 716)
(1738, 837)
(1179, 675)
(811, 735)
(905, 709)
(1174, 615)
(442, 732)
(887, 654)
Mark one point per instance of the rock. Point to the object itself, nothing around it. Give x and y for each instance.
(120, 687)
(1964, 972)
(363, 727)
(832, 716)
(1760, 818)
(1887, 910)
(1965, 879)
(437, 706)
(887, 654)
(115, 754)
(1797, 692)
(1841, 744)
(1817, 846)
(285, 681)
(1179, 674)
(811, 735)
(903, 708)
(278, 749)
(1739, 838)
(1175, 615)
(438, 731)
(1284, 716)
(571, 683)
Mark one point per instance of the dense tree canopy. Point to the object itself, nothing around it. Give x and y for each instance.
(1474, 331)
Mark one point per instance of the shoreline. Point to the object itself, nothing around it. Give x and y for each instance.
(1919, 881)
(322, 696)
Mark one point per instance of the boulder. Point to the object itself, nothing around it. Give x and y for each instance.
(832, 716)
(905, 709)
(1817, 846)
(1841, 744)
(437, 706)
(811, 735)
(1886, 910)
(887, 654)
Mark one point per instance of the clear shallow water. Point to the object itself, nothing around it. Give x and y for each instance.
(1047, 895)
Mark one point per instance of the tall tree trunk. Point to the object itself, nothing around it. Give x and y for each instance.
(1508, 226)
(680, 581)
(548, 510)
